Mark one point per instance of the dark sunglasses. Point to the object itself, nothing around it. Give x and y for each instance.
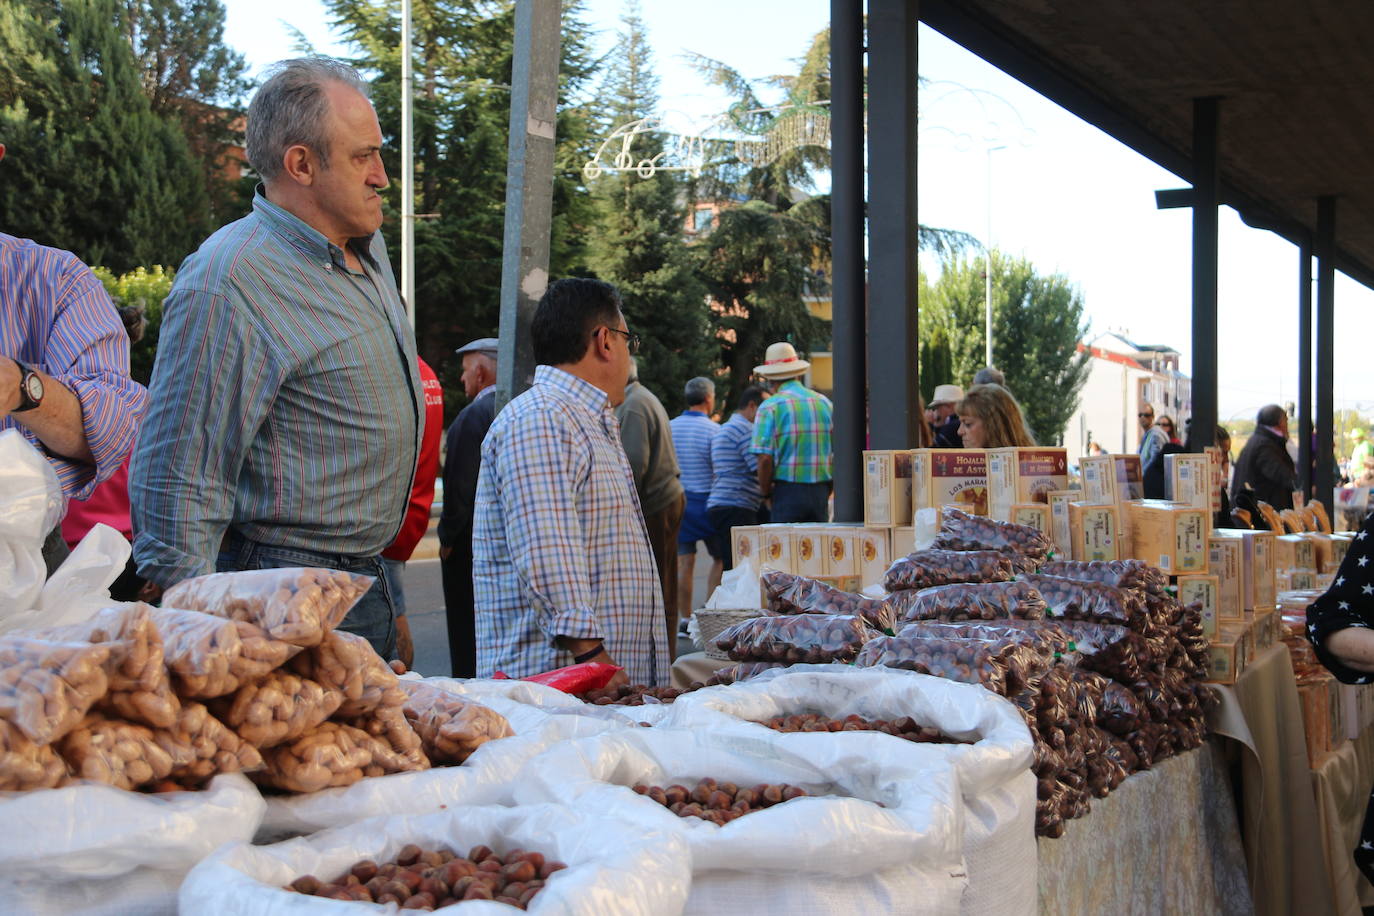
(1144, 415)
(631, 340)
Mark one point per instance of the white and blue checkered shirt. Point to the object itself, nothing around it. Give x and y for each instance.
(559, 545)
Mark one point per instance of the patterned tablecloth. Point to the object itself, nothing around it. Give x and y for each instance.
(1166, 841)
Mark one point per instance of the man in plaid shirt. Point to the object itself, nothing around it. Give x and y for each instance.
(792, 441)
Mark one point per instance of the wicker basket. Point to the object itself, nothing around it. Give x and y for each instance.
(711, 622)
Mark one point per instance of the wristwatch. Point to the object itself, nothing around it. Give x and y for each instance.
(30, 388)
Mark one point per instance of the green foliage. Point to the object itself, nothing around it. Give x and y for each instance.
(144, 288)
(1037, 325)
(90, 166)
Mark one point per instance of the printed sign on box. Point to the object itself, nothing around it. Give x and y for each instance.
(950, 477)
(1024, 475)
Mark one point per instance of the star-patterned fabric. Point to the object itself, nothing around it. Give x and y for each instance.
(1349, 602)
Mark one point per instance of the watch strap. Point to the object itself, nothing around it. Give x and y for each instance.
(26, 402)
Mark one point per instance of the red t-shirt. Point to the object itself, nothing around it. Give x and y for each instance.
(422, 493)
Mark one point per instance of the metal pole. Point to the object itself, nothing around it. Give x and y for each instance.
(893, 315)
(847, 253)
(1326, 346)
(1305, 368)
(529, 189)
(987, 266)
(407, 170)
(1205, 203)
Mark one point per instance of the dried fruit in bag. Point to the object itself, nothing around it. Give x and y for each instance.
(1089, 600)
(25, 765)
(208, 746)
(1003, 666)
(970, 601)
(789, 594)
(120, 754)
(347, 663)
(961, 531)
(294, 605)
(47, 686)
(927, 568)
(450, 728)
(1112, 650)
(804, 638)
(276, 708)
(332, 755)
(140, 688)
(1047, 639)
(210, 656)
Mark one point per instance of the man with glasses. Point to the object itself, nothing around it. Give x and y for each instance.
(562, 570)
(1152, 438)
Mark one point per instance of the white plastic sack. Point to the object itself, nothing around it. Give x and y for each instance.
(612, 868)
(97, 847)
(995, 781)
(31, 505)
(483, 779)
(739, 588)
(781, 859)
(540, 701)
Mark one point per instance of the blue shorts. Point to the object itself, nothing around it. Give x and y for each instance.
(696, 527)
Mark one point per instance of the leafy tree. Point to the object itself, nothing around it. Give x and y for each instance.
(143, 288)
(1037, 325)
(90, 166)
(639, 243)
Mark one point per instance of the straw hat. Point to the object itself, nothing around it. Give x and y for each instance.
(781, 362)
(946, 394)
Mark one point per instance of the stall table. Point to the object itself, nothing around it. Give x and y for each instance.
(1341, 782)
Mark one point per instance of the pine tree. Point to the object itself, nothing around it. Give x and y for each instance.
(639, 244)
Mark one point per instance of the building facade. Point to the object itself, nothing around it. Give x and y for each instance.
(1123, 376)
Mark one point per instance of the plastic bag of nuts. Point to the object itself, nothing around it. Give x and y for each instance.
(389, 723)
(450, 728)
(140, 688)
(278, 707)
(1003, 666)
(789, 594)
(1089, 600)
(332, 755)
(961, 531)
(210, 656)
(348, 663)
(718, 802)
(294, 605)
(813, 638)
(47, 686)
(25, 765)
(207, 747)
(1121, 573)
(635, 694)
(1115, 651)
(970, 601)
(927, 568)
(120, 754)
(1046, 640)
(743, 671)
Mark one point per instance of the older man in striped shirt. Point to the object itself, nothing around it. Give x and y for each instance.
(562, 569)
(286, 405)
(693, 431)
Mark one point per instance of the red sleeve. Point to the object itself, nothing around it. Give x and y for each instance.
(422, 494)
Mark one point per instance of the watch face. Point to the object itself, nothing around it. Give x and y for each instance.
(33, 386)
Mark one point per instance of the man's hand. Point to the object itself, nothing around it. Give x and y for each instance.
(57, 421)
(9, 386)
(405, 646)
(583, 646)
(445, 552)
(150, 593)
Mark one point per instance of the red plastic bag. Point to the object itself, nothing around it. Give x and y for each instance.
(573, 678)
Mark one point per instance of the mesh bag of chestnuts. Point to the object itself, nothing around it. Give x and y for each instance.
(804, 638)
(969, 601)
(961, 531)
(790, 594)
(927, 568)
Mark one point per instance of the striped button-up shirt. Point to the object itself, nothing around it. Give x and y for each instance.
(793, 428)
(285, 400)
(558, 542)
(736, 481)
(57, 318)
(692, 435)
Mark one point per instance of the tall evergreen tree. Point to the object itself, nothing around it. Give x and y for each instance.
(639, 243)
(91, 167)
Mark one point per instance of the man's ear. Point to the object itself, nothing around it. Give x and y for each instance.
(300, 164)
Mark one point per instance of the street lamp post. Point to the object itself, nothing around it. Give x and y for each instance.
(987, 265)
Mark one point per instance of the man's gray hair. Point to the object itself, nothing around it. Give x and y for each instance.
(989, 375)
(292, 109)
(698, 390)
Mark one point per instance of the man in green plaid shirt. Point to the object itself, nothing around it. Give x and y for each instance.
(792, 441)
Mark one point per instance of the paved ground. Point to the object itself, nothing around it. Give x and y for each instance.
(424, 592)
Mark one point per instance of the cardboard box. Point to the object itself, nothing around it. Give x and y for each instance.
(1287, 580)
(808, 550)
(1219, 481)
(1314, 697)
(872, 554)
(1060, 534)
(1226, 561)
(1188, 480)
(1094, 532)
(1225, 660)
(1323, 551)
(1203, 589)
(1340, 545)
(1294, 551)
(1024, 475)
(1130, 481)
(1168, 535)
(1099, 479)
(1032, 515)
(776, 548)
(841, 548)
(1257, 571)
(950, 477)
(903, 542)
(746, 543)
(887, 487)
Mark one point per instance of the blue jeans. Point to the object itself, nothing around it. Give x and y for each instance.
(373, 617)
(395, 576)
(801, 502)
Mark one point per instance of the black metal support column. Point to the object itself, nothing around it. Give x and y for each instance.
(529, 189)
(847, 253)
(893, 317)
(1325, 248)
(1305, 368)
(1205, 203)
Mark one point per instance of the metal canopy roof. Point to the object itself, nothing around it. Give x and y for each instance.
(1294, 83)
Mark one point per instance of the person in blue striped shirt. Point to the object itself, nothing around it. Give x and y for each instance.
(693, 432)
(735, 499)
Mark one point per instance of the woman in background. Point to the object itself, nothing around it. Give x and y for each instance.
(989, 417)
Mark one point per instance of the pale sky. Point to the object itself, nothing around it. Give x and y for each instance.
(1064, 195)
